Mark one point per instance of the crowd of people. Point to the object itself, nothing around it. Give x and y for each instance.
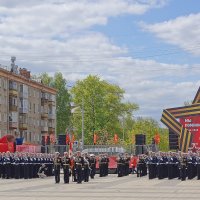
(82, 167)
(25, 165)
(169, 165)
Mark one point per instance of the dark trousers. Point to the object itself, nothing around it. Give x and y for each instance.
(8, 170)
(140, 170)
(101, 170)
(79, 174)
(170, 171)
(26, 171)
(93, 171)
(183, 173)
(66, 174)
(21, 171)
(198, 171)
(17, 171)
(120, 170)
(86, 173)
(152, 171)
(1, 170)
(57, 175)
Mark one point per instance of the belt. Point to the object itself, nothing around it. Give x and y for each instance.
(65, 164)
(78, 164)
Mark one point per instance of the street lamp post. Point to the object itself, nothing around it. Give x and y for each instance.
(82, 112)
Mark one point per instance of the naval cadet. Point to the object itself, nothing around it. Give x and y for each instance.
(79, 163)
(92, 162)
(57, 166)
(66, 162)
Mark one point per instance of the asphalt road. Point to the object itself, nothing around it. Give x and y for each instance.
(110, 187)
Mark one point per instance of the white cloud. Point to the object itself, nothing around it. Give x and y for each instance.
(50, 19)
(183, 31)
(51, 36)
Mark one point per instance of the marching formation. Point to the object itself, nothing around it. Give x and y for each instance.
(81, 167)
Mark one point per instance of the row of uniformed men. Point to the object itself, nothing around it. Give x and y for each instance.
(123, 162)
(24, 165)
(79, 166)
(169, 165)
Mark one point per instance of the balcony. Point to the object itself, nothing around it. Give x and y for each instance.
(51, 124)
(52, 116)
(13, 92)
(44, 102)
(51, 130)
(13, 88)
(13, 107)
(13, 125)
(23, 110)
(44, 129)
(52, 99)
(44, 96)
(23, 126)
(44, 115)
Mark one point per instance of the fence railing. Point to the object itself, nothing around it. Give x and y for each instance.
(100, 149)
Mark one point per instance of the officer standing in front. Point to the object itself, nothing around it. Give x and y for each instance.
(57, 165)
(79, 163)
(66, 167)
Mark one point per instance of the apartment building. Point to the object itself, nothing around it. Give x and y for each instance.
(27, 107)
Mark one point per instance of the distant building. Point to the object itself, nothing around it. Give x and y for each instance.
(27, 107)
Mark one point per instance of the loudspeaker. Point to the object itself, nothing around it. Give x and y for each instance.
(62, 139)
(140, 139)
(139, 150)
(173, 140)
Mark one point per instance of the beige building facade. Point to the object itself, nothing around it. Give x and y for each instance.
(27, 107)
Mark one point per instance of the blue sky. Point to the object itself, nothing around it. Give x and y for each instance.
(151, 48)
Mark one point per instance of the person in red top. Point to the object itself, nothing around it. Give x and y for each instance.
(134, 161)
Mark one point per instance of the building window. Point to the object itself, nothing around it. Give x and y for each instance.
(30, 107)
(34, 108)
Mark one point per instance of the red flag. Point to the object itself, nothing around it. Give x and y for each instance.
(157, 138)
(73, 138)
(70, 148)
(95, 138)
(115, 138)
(67, 139)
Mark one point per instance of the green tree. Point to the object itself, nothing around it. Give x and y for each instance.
(149, 127)
(63, 108)
(103, 107)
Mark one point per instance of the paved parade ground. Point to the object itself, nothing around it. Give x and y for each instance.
(109, 187)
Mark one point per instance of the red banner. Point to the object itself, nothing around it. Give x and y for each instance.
(67, 139)
(4, 147)
(95, 138)
(115, 138)
(157, 138)
(193, 125)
